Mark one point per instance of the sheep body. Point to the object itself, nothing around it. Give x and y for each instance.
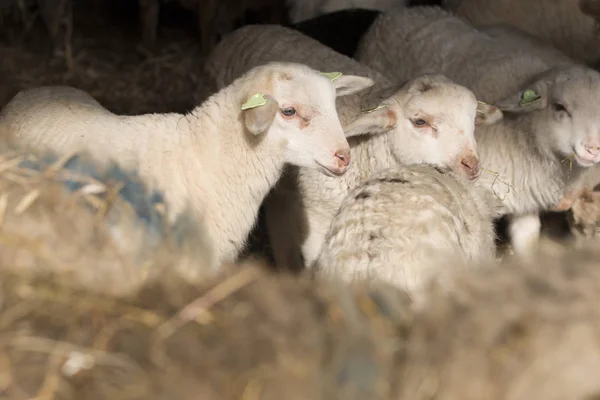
(525, 154)
(518, 39)
(401, 224)
(301, 10)
(299, 209)
(564, 24)
(519, 331)
(219, 160)
(397, 38)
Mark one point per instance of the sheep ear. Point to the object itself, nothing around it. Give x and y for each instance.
(349, 84)
(487, 114)
(525, 101)
(259, 112)
(377, 120)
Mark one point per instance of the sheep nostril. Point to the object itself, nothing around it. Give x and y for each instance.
(344, 157)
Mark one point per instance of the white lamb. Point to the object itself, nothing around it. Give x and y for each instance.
(428, 119)
(569, 25)
(403, 224)
(222, 158)
(550, 112)
(300, 10)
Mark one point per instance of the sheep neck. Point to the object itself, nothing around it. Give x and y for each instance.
(371, 154)
(239, 170)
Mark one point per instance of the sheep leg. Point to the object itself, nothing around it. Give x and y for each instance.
(524, 233)
(315, 238)
(149, 10)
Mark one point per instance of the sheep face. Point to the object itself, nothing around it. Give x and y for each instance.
(430, 120)
(299, 114)
(563, 107)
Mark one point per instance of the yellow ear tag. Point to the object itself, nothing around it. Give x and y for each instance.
(256, 100)
(379, 107)
(529, 96)
(481, 103)
(332, 75)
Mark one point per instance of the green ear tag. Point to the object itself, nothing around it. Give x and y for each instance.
(529, 96)
(332, 75)
(379, 107)
(256, 100)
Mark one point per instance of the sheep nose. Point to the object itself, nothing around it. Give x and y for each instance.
(593, 150)
(470, 164)
(343, 157)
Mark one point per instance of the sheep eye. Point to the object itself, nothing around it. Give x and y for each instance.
(559, 107)
(419, 123)
(289, 111)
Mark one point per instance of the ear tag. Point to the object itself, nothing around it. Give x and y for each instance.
(529, 96)
(379, 107)
(481, 103)
(256, 100)
(332, 75)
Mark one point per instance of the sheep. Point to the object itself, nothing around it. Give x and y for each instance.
(527, 154)
(519, 331)
(73, 216)
(239, 334)
(516, 38)
(218, 160)
(569, 25)
(300, 207)
(401, 224)
(302, 10)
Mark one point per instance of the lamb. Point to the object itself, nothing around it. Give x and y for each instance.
(569, 25)
(401, 224)
(519, 331)
(427, 119)
(227, 337)
(301, 10)
(287, 115)
(527, 153)
(71, 216)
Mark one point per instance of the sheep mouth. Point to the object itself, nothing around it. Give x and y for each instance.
(582, 162)
(329, 171)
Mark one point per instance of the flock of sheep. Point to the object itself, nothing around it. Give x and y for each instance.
(380, 170)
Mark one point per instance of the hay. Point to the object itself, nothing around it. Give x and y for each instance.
(107, 63)
(243, 335)
(515, 332)
(69, 215)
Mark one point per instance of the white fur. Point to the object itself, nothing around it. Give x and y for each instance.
(560, 23)
(403, 224)
(299, 210)
(525, 155)
(300, 10)
(219, 160)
